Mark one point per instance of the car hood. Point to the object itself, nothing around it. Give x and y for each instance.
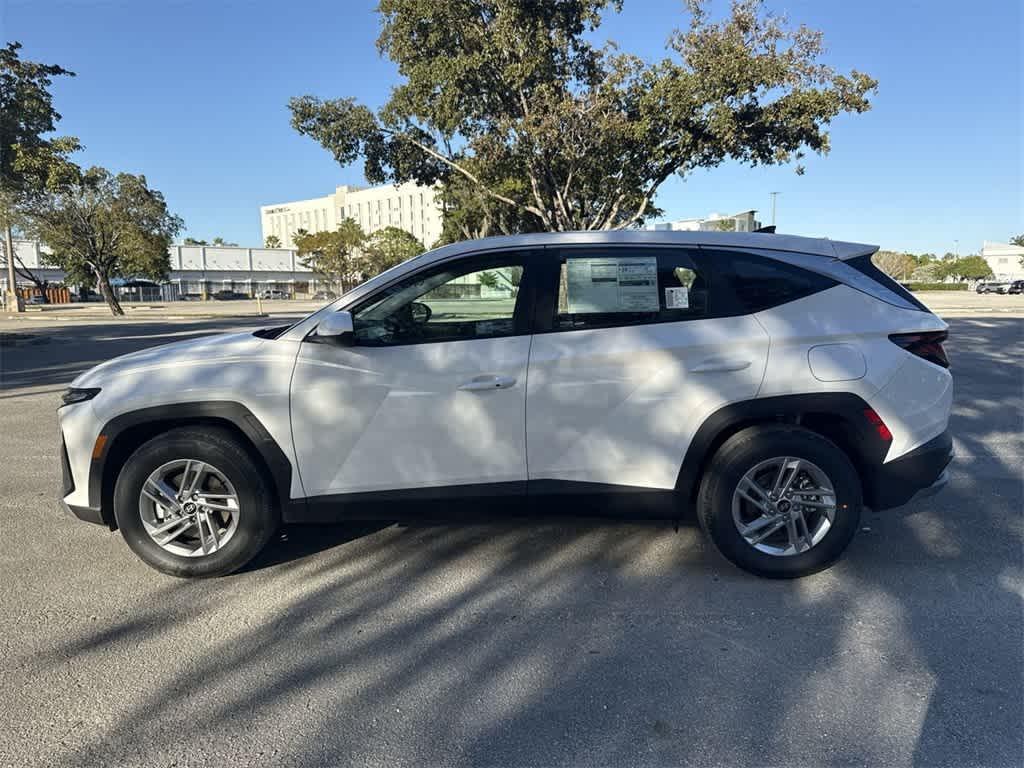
(221, 348)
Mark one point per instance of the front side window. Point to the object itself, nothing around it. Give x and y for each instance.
(625, 286)
(455, 303)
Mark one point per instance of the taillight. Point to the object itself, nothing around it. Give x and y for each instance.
(927, 345)
(878, 425)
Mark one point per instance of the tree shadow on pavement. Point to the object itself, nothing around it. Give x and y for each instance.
(568, 642)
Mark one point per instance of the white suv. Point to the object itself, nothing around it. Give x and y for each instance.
(772, 384)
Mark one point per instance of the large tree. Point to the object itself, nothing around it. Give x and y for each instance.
(107, 226)
(32, 163)
(334, 255)
(511, 101)
(388, 247)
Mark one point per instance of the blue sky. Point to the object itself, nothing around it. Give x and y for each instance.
(193, 95)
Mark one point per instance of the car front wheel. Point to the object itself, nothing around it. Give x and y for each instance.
(192, 503)
(780, 501)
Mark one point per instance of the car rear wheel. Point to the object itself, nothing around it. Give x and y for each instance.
(780, 501)
(192, 503)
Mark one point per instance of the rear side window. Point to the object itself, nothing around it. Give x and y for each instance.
(629, 286)
(755, 283)
(866, 267)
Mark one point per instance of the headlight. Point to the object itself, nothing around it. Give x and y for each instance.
(75, 395)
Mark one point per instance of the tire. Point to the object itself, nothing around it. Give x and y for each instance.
(758, 446)
(256, 516)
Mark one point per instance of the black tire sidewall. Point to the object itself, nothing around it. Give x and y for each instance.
(751, 446)
(257, 519)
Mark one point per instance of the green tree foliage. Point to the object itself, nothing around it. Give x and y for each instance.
(896, 265)
(510, 98)
(335, 255)
(106, 226)
(388, 247)
(215, 241)
(502, 279)
(272, 241)
(31, 161)
(971, 267)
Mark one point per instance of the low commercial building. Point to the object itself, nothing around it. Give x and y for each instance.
(1006, 260)
(714, 222)
(196, 271)
(408, 206)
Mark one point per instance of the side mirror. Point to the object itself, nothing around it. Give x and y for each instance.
(336, 329)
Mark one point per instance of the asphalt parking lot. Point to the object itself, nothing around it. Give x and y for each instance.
(515, 643)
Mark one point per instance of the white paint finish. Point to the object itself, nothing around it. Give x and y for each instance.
(80, 427)
(237, 367)
(846, 316)
(836, 362)
(620, 405)
(839, 315)
(914, 404)
(380, 418)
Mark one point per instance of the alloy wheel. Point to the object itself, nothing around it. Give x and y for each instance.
(189, 508)
(784, 506)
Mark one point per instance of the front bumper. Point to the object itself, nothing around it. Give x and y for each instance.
(917, 474)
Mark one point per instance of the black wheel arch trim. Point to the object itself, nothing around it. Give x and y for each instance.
(838, 416)
(171, 415)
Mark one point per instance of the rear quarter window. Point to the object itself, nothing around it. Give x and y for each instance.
(749, 283)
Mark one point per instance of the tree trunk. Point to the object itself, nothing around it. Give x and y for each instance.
(107, 291)
(14, 302)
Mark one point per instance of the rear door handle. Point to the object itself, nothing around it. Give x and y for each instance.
(481, 383)
(720, 364)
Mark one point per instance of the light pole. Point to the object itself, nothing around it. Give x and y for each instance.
(773, 196)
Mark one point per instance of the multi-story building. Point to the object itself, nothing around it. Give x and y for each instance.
(714, 222)
(408, 206)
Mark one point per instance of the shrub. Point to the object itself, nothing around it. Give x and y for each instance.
(935, 286)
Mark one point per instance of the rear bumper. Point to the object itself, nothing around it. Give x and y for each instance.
(917, 474)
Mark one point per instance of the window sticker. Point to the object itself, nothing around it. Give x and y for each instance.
(677, 298)
(612, 285)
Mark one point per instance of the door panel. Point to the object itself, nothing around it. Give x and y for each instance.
(620, 405)
(636, 356)
(433, 392)
(384, 418)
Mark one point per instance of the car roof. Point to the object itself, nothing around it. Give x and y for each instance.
(815, 246)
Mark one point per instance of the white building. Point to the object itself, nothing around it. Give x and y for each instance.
(201, 269)
(1004, 259)
(408, 206)
(714, 222)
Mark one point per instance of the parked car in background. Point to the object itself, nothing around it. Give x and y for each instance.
(1017, 286)
(772, 385)
(227, 295)
(992, 287)
(190, 297)
(274, 293)
(324, 296)
(37, 299)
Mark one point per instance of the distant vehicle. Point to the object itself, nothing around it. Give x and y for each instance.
(190, 297)
(324, 296)
(37, 299)
(771, 386)
(274, 293)
(1017, 286)
(992, 287)
(226, 295)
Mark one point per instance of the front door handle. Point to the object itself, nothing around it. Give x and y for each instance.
(481, 383)
(720, 364)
